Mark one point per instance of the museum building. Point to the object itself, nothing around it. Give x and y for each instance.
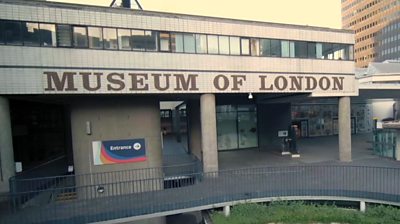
(87, 81)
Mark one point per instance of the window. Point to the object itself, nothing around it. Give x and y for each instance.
(265, 47)
(80, 36)
(31, 34)
(318, 50)
(285, 52)
(201, 44)
(110, 38)
(276, 48)
(327, 51)
(223, 43)
(234, 43)
(255, 46)
(64, 36)
(312, 50)
(291, 49)
(138, 40)
(351, 51)
(189, 43)
(164, 41)
(124, 39)
(150, 40)
(2, 32)
(48, 35)
(300, 50)
(212, 42)
(12, 32)
(245, 46)
(95, 37)
(177, 42)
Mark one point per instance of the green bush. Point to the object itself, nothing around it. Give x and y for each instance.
(300, 212)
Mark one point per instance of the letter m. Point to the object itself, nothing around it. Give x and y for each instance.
(54, 83)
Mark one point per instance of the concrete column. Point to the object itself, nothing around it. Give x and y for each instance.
(363, 206)
(227, 210)
(344, 129)
(6, 146)
(209, 132)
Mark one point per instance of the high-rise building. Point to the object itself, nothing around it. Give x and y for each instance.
(376, 30)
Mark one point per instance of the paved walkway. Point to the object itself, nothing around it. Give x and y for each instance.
(317, 150)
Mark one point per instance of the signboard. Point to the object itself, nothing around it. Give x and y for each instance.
(283, 133)
(119, 151)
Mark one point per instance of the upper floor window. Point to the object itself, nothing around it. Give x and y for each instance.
(64, 35)
(234, 45)
(189, 43)
(80, 36)
(245, 46)
(124, 39)
(48, 35)
(201, 43)
(177, 42)
(31, 34)
(11, 31)
(223, 43)
(110, 38)
(95, 35)
(164, 41)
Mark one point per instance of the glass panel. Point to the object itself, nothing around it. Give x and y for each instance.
(226, 127)
(12, 32)
(80, 36)
(48, 35)
(138, 40)
(2, 32)
(124, 39)
(300, 49)
(255, 47)
(291, 49)
(327, 51)
(247, 125)
(285, 48)
(223, 44)
(351, 51)
(110, 38)
(276, 48)
(234, 43)
(64, 35)
(265, 47)
(177, 42)
(318, 50)
(31, 34)
(201, 44)
(339, 52)
(245, 46)
(312, 50)
(95, 37)
(212, 42)
(151, 40)
(189, 43)
(164, 42)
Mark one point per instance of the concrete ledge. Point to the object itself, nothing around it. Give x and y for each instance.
(255, 200)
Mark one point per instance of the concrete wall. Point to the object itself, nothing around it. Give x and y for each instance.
(114, 118)
(271, 119)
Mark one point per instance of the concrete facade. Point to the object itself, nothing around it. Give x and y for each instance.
(344, 129)
(209, 132)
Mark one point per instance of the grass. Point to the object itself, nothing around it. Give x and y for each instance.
(299, 212)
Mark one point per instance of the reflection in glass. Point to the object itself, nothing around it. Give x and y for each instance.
(212, 41)
(226, 127)
(234, 43)
(48, 35)
(12, 32)
(327, 51)
(138, 40)
(80, 36)
(164, 41)
(255, 46)
(64, 37)
(177, 42)
(223, 44)
(265, 47)
(312, 50)
(189, 43)
(318, 50)
(276, 48)
(285, 49)
(300, 49)
(124, 39)
(245, 46)
(110, 38)
(201, 43)
(247, 129)
(31, 34)
(95, 37)
(150, 40)
(291, 49)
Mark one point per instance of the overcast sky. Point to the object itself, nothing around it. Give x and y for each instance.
(324, 13)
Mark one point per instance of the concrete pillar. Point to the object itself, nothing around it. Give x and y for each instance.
(227, 210)
(344, 129)
(7, 166)
(363, 206)
(209, 132)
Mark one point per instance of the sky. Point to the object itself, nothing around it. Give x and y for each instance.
(323, 13)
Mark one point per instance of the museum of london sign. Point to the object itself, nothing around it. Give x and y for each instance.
(172, 82)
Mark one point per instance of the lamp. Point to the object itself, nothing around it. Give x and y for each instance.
(250, 96)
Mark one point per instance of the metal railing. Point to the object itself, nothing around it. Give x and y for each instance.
(384, 142)
(113, 200)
